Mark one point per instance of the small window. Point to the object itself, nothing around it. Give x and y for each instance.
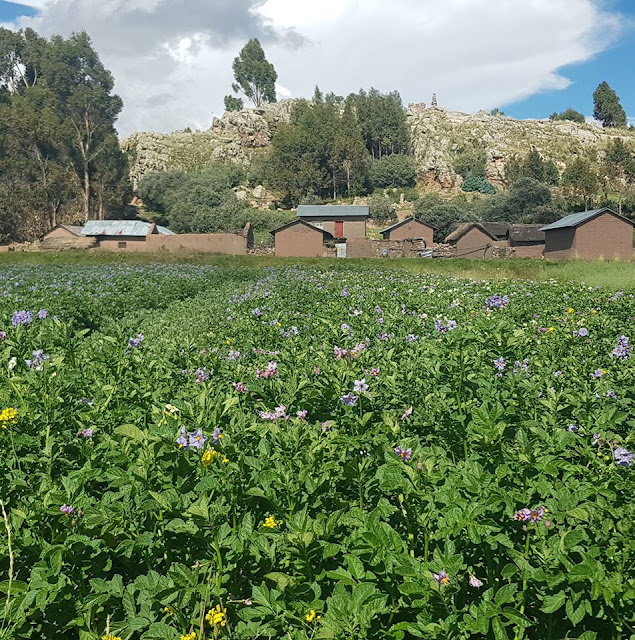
(121, 245)
(319, 225)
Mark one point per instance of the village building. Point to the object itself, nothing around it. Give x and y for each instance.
(527, 240)
(341, 221)
(66, 236)
(500, 230)
(122, 234)
(600, 234)
(409, 229)
(472, 240)
(299, 239)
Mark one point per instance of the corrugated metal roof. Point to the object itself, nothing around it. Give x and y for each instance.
(576, 219)
(164, 231)
(332, 211)
(133, 228)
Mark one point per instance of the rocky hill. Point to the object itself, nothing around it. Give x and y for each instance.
(437, 135)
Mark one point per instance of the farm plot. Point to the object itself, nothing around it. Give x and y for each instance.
(300, 453)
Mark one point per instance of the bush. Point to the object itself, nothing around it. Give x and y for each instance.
(480, 184)
(393, 171)
(442, 214)
(380, 209)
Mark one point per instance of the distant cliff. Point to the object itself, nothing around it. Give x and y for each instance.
(437, 135)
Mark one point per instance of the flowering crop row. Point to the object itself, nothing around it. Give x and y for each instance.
(304, 454)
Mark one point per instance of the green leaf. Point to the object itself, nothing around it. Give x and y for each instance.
(553, 603)
(575, 615)
(517, 617)
(130, 431)
(500, 633)
(505, 594)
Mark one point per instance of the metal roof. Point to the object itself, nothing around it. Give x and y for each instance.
(135, 228)
(404, 221)
(164, 231)
(576, 219)
(333, 211)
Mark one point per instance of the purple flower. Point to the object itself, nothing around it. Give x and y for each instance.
(497, 302)
(217, 435)
(623, 457)
(233, 355)
(241, 387)
(582, 332)
(202, 375)
(573, 428)
(277, 414)
(623, 349)
(404, 454)
(474, 581)
(182, 440)
(197, 439)
(22, 317)
(442, 578)
(3, 335)
(530, 515)
(349, 399)
(42, 314)
(500, 363)
(135, 343)
(440, 327)
(360, 386)
(38, 357)
(85, 433)
(611, 394)
(520, 366)
(557, 374)
(256, 312)
(270, 372)
(301, 414)
(67, 510)
(374, 372)
(452, 324)
(598, 373)
(412, 338)
(597, 440)
(407, 413)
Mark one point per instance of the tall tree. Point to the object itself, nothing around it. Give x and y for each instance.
(254, 75)
(580, 181)
(607, 107)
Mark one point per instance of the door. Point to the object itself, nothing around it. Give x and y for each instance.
(339, 229)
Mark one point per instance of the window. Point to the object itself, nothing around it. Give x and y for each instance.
(319, 225)
(121, 245)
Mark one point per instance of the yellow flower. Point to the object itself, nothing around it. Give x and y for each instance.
(110, 636)
(594, 311)
(217, 616)
(228, 341)
(271, 523)
(189, 636)
(168, 610)
(8, 416)
(551, 330)
(208, 457)
(570, 310)
(311, 616)
(225, 460)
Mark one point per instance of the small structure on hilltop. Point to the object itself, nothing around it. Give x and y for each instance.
(590, 235)
(300, 239)
(472, 240)
(409, 229)
(527, 240)
(341, 221)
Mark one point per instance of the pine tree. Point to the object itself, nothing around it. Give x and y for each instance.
(607, 107)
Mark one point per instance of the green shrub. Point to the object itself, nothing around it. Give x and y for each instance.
(478, 183)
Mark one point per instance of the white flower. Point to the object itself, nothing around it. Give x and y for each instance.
(12, 363)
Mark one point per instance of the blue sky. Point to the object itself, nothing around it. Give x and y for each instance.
(615, 65)
(173, 67)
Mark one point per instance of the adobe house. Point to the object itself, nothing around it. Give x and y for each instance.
(66, 236)
(409, 229)
(299, 239)
(500, 230)
(528, 240)
(341, 221)
(472, 240)
(122, 234)
(590, 235)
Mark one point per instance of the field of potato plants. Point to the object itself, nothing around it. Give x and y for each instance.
(205, 452)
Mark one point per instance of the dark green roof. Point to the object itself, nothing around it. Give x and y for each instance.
(339, 211)
(576, 219)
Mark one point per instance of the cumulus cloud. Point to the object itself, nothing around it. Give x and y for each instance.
(172, 59)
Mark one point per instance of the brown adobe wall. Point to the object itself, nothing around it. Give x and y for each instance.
(606, 237)
(111, 243)
(222, 243)
(559, 244)
(60, 232)
(299, 241)
(529, 250)
(474, 244)
(412, 229)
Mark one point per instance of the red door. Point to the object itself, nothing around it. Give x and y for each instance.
(339, 229)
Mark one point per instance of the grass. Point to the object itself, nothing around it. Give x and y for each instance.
(615, 275)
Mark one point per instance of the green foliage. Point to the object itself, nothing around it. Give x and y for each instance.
(471, 160)
(232, 103)
(382, 120)
(60, 159)
(607, 107)
(381, 209)
(254, 75)
(442, 214)
(496, 112)
(532, 166)
(568, 114)
(393, 171)
(478, 183)
(320, 151)
(580, 181)
(157, 537)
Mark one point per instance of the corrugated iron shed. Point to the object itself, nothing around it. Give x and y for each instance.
(576, 219)
(130, 228)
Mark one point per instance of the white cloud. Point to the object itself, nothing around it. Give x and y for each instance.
(172, 60)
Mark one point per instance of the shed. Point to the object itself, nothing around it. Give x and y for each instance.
(409, 229)
(590, 235)
(299, 239)
(528, 240)
(341, 221)
(121, 234)
(472, 240)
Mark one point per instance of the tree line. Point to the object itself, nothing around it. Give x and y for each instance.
(59, 153)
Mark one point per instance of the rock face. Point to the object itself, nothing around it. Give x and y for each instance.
(437, 135)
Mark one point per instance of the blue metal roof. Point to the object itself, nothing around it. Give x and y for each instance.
(576, 219)
(164, 231)
(340, 211)
(134, 228)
